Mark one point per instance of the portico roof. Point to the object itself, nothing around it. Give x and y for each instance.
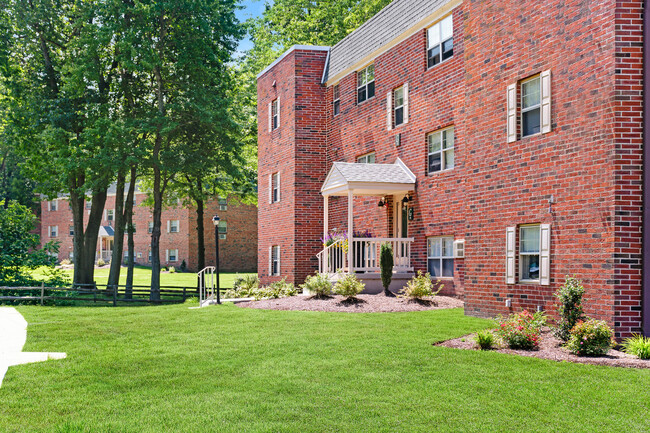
(368, 179)
(106, 231)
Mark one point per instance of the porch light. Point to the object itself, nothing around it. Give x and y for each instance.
(406, 199)
(381, 203)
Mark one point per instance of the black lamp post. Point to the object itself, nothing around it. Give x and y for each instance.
(215, 221)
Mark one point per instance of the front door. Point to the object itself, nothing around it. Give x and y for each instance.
(405, 222)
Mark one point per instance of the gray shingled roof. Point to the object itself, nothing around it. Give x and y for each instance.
(344, 174)
(389, 23)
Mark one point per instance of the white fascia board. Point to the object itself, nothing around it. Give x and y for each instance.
(289, 51)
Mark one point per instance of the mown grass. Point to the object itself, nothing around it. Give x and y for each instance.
(142, 277)
(228, 369)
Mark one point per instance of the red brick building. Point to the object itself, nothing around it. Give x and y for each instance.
(178, 240)
(496, 144)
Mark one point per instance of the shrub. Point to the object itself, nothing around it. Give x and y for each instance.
(485, 339)
(638, 345)
(246, 284)
(520, 330)
(65, 262)
(386, 266)
(101, 262)
(183, 267)
(172, 270)
(421, 286)
(591, 338)
(277, 289)
(570, 308)
(349, 286)
(318, 285)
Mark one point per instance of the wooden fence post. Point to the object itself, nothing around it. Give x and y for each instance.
(42, 291)
(115, 295)
(184, 290)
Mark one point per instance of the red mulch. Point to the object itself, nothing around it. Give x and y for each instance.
(550, 348)
(363, 304)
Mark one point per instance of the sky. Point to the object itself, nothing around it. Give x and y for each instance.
(252, 8)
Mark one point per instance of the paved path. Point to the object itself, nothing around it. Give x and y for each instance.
(13, 334)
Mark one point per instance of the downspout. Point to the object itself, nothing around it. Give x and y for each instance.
(645, 296)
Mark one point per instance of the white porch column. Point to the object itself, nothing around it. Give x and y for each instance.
(101, 247)
(350, 230)
(326, 214)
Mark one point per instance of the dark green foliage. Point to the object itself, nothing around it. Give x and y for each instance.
(386, 265)
(591, 338)
(638, 345)
(570, 308)
(485, 339)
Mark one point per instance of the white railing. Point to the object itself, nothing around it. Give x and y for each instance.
(207, 284)
(333, 258)
(365, 255)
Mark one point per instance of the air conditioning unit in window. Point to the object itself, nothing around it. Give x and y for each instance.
(459, 249)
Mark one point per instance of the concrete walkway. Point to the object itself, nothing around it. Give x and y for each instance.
(13, 334)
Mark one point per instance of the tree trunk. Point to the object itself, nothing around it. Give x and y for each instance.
(155, 233)
(87, 271)
(130, 243)
(200, 229)
(77, 205)
(118, 239)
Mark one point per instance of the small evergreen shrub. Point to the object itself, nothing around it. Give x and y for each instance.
(277, 289)
(520, 330)
(591, 338)
(172, 270)
(349, 286)
(317, 285)
(386, 266)
(485, 339)
(638, 345)
(183, 267)
(570, 308)
(421, 286)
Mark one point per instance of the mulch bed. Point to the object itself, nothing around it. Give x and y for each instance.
(550, 348)
(363, 304)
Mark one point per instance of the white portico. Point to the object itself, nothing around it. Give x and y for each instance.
(378, 180)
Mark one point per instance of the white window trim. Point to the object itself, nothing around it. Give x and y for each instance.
(520, 254)
(364, 70)
(150, 227)
(442, 256)
(544, 254)
(440, 42)
(363, 159)
(442, 150)
(336, 97)
(273, 248)
(275, 186)
(174, 224)
(53, 203)
(532, 107)
(397, 107)
(54, 229)
(224, 205)
(275, 105)
(168, 254)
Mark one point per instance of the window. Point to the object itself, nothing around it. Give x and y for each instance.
(71, 230)
(275, 187)
(54, 231)
(275, 114)
(88, 205)
(529, 253)
(223, 204)
(275, 260)
(337, 100)
(110, 213)
(366, 83)
(368, 158)
(441, 150)
(172, 255)
(71, 255)
(173, 226)
(150, 227)
(53, 205)
(223, 227)
(440, 255)
(149, 256)
(222, 236)
(398, 108)
(440, 42)
(126, 254)
(139, 255)
(531, 106)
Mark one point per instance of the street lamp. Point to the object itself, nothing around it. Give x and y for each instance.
(215, 221)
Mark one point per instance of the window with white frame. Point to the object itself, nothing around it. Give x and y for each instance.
(71, 255)
(441, 150)
(172, 255)
(440, 257)
(336, 100)
(110, 213)
(54, 205)
(398, 106)
(531, 106)
(173, 226)
(71, 230)
(529, 253)
(54, 231)
(223, 204)
(223, 226)
(139, 255)
(275, 114)
(368, 158)
(149, 256)
(150, 227)
(88, 205)
(440, 41)
(366, 83)
(275, 260)
(275, 187)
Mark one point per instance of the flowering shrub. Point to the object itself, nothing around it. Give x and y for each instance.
(317, 285)
(520, 330)
(349, 286)
(420, 286)
(570, 308)
(591, 338)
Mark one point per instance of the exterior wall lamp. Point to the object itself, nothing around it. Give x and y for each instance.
(381, 203)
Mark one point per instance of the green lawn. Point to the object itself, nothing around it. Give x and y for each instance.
(226, 369)
(142, 277)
